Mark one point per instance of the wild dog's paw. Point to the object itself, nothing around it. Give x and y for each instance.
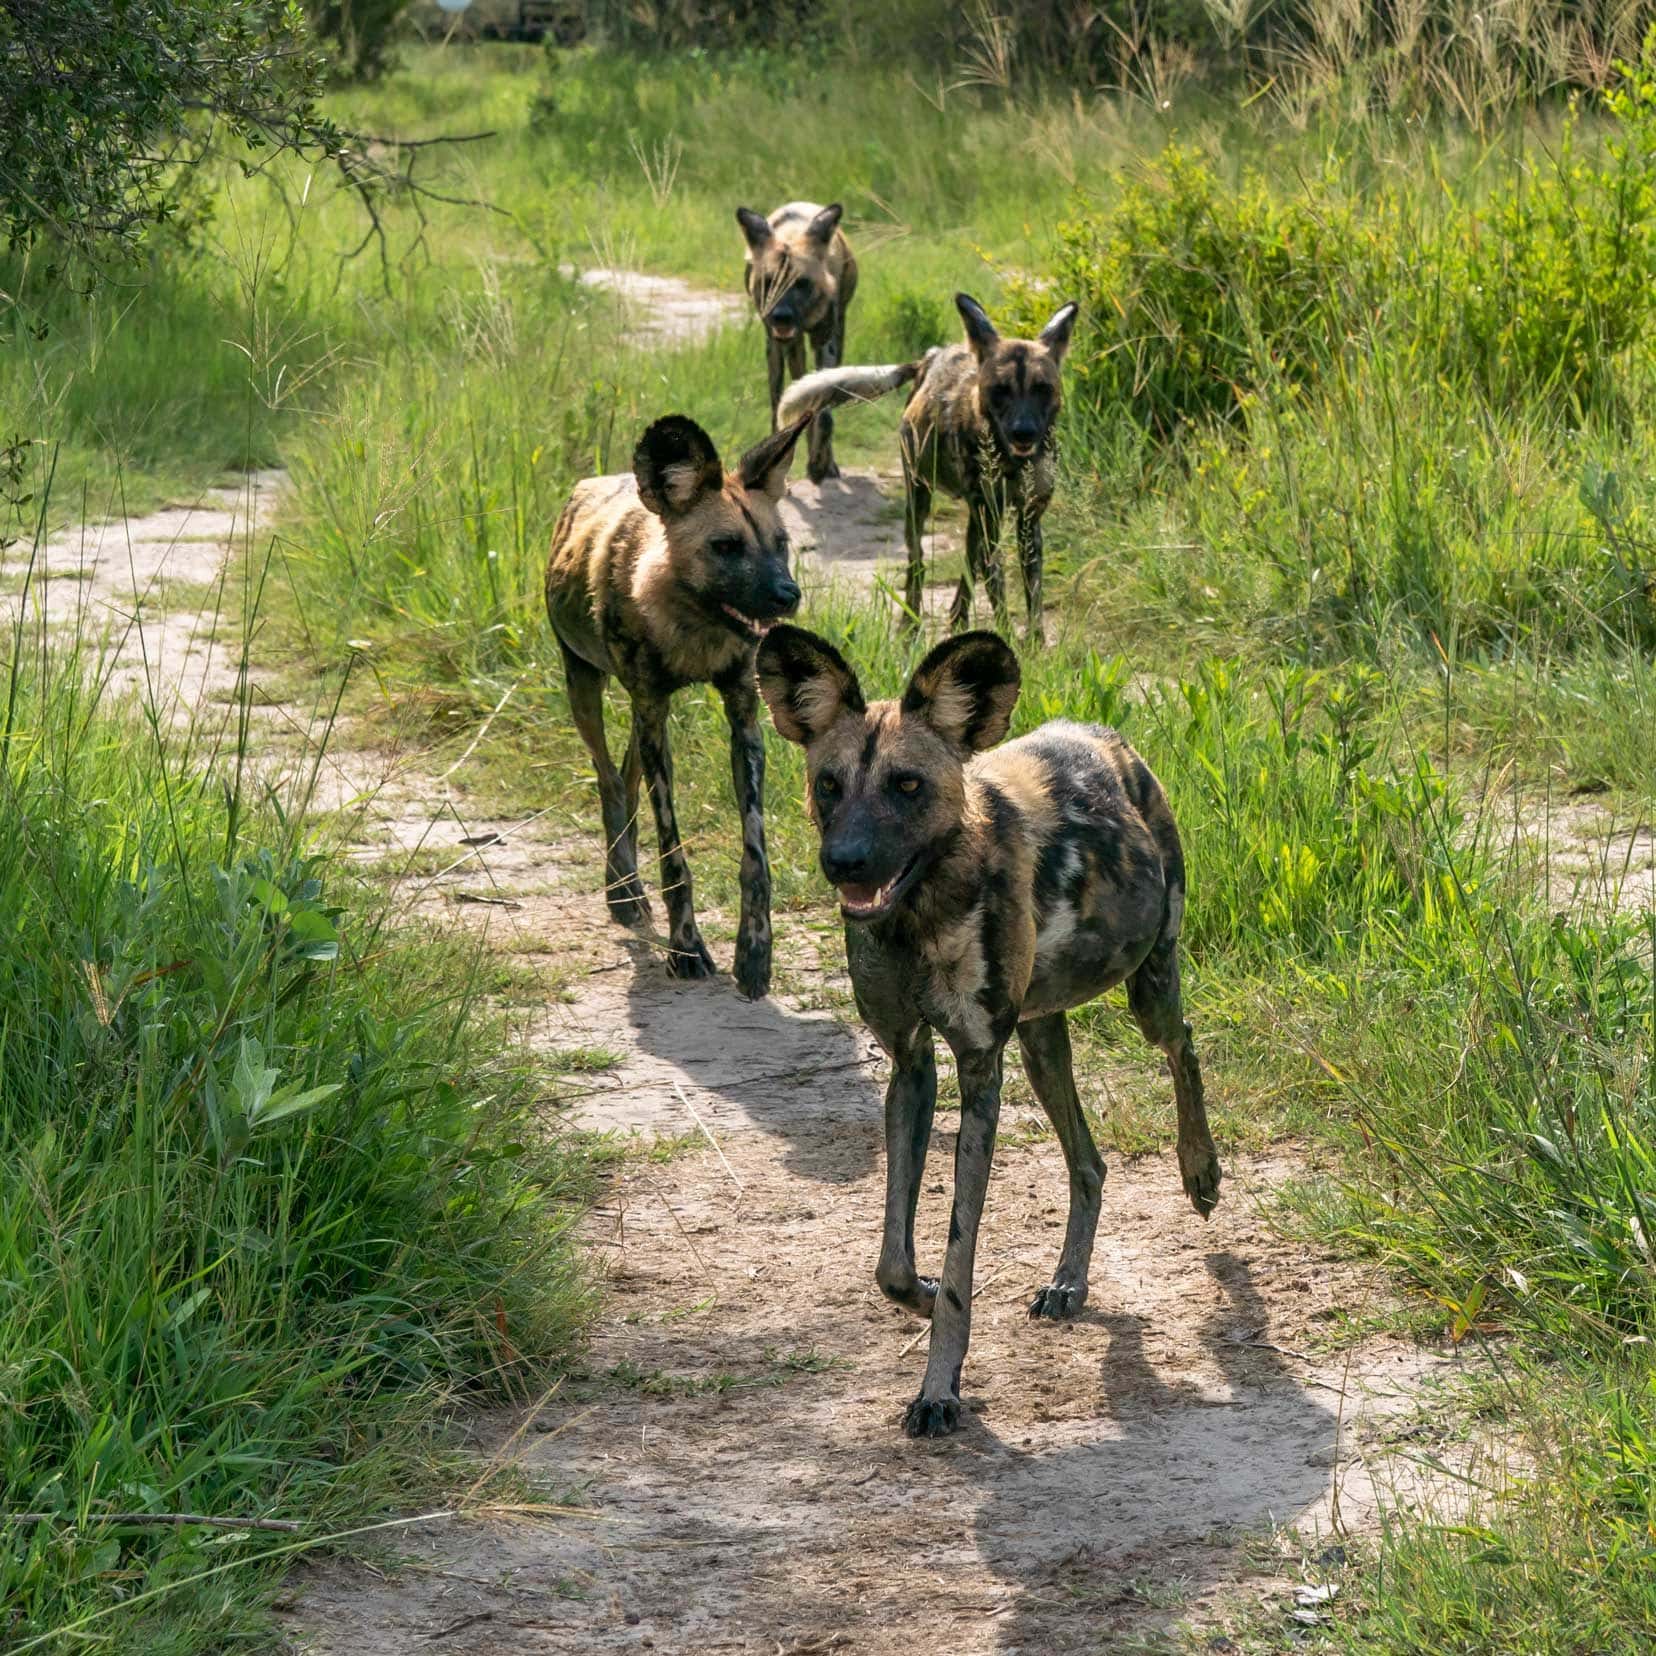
(917, 1294)
(1058, 1301)
(822, 474)
(628, 906)
(753, 972)
(1199, 1165)
(690, 960)
(932, 1417)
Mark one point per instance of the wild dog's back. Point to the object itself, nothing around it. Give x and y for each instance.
(1106, 867)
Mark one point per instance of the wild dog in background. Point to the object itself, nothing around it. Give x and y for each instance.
(980, 424)
(801, 277)
(664, 578)
(986, 893)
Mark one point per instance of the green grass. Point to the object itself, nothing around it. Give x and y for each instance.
(276, 1193)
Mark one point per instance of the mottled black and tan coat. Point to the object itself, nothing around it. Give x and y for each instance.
(986, 891)
(801, 277)
(980, 424)
(668, 576)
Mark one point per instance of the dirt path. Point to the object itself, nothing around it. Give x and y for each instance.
(732, 1436)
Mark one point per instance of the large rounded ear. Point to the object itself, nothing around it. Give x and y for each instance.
(755, 227)
(966, 690)
(806, 683)
(980, 331)
(675, 464)
(1056, 334)
(822, 227)
(765, 465)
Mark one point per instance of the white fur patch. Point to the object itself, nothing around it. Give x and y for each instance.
(949, 709)
(817, 702)
(1058, 930)
(680, 482)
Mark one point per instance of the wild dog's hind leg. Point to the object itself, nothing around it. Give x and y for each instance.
(819, 466)
(617, 791)
(1046, 1054)
(687, 955)
(982, 561)
(776, 371)
(1153, 994)
(936, 1411)
(747, 772)
(910, 1102)
(1030, 557)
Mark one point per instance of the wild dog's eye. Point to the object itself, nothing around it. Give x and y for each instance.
(728, 546)
(907, 784)
(827, 785)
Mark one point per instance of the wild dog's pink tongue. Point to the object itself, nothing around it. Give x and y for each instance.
(858, 896)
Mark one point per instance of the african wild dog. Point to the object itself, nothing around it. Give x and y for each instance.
(669, 577)
(801, 278)
(980, 424)
(985, 893)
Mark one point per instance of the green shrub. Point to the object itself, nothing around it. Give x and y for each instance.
(267, 1202)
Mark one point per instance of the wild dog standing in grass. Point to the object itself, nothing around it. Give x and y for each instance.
(669, 577)
(801, 277)
(981, 424)
(986, 893)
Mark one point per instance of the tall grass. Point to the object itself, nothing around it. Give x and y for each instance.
(274, 1195)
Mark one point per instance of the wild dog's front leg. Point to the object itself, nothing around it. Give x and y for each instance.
(1030, 557)
(776, 371)
(936, 1411)
(747, 771)
(1045, 1044)
(687, 955)
(820, 461)
(910, 1102)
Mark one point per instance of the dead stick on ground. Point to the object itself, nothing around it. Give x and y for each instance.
(685, 1101)
(284, 1526)
(976, 1293)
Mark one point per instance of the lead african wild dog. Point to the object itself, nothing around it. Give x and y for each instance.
(981, 424)
(801, 278)
(668, 577)
(986, 893)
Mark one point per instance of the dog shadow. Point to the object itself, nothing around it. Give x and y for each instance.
(1100, 1522)
(807, 1078)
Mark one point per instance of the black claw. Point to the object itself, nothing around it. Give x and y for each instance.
(930, 1418)
(1055, 1303)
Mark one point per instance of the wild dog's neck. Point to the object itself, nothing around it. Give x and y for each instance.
(953, 881)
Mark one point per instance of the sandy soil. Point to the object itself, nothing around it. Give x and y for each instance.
(732, 1438)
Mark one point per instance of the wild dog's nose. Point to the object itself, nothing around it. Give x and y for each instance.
(845, 857)
(787, 595)
(1025, 433)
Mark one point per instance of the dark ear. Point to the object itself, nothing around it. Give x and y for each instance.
(980, 331)
(1056, 334)
(806, 683)
(823, 226)
(966, 690)
(755, 227)
(765, 465)
(675, 464)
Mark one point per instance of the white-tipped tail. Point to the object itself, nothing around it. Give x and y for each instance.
(829, 387)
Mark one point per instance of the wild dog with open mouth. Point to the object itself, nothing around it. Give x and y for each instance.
(986, 894)
(669, 577)
(801, 277)
(980, 424)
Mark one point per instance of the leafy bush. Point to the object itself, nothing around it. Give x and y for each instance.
(1195, 292)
